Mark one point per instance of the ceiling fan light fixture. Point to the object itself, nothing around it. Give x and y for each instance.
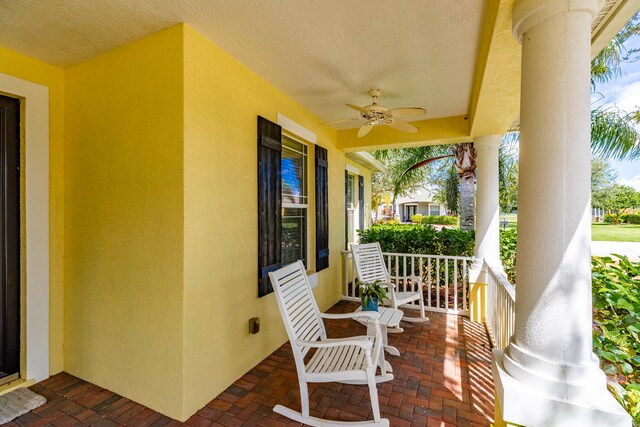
(377, 115)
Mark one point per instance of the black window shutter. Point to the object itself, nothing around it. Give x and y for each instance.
(269, 202)
(361, 200)
(322, 208)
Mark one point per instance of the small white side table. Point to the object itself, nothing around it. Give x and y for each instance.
(389, 318)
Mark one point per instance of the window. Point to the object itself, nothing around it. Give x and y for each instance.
(434, 209)
(295, 202)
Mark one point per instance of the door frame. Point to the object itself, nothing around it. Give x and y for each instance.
(34, 129)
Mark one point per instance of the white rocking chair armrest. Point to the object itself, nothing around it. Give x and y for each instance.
(371, 314)
(362, 341)
(389, 285)
(417, 279)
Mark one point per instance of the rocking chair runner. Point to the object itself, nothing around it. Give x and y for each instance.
(347, 360)
(370, 267)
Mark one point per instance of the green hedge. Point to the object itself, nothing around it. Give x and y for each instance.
(440, 220)
(609, 218)
(630, 218)
(508, 240)
(420, 239)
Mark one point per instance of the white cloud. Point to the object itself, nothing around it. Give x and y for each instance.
(633, 182)
(629, 98)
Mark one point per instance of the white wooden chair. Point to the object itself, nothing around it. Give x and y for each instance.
(347, 360)
(370, 267)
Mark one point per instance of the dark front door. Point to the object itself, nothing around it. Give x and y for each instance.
(9, 238)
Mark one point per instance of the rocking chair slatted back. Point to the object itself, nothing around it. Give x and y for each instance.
(296, 302)
(370, 263)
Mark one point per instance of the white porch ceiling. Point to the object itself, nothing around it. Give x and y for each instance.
(323, 54)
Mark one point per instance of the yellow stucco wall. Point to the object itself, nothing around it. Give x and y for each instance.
(35, 71)
(222, 101)
(123, 327)
(153, 217)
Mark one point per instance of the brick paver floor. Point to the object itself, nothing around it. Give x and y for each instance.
(442, 378)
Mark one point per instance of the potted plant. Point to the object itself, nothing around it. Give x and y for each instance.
(371, 294)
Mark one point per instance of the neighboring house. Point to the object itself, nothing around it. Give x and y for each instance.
(419, 201)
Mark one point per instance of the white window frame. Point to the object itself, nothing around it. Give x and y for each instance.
(298, 139)
(356, 205)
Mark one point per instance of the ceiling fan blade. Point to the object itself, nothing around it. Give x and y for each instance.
(365, 129)
(355, 107)
(408, 112)
(335, 122)
(403, 126)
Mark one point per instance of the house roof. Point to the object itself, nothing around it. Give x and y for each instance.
(367, 160)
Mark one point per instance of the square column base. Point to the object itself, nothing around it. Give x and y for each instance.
(520, 404)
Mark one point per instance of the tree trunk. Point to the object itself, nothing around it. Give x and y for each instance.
(467, 201)
(465, 165)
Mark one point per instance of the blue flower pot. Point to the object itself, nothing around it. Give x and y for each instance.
(371, 306)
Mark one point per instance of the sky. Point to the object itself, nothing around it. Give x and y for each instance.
(623, 92)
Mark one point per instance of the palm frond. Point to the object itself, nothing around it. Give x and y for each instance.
(613, 134)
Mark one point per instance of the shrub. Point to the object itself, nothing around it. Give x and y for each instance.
(390, 221)
(417, 218)
(616, 316)
(420, 239)
(609, 218)
(623, 218)
(440, 220)
(632, 219)
(508, 241)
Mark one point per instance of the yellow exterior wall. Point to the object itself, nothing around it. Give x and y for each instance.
(35, 71)
(222, 101)
(153, 205)
(123, 320)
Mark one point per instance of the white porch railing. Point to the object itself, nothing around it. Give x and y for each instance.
(501, 302)
(446, 279)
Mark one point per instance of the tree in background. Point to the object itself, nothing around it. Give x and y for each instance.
(616, 199)
(602, 175)
(508, 173)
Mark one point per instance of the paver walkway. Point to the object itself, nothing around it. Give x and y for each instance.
(442, 378)
(630, 249)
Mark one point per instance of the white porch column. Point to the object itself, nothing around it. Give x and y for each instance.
(548, 375)
(487, 203)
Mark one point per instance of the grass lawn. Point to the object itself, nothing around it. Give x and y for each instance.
(600, 231)
(615, 233)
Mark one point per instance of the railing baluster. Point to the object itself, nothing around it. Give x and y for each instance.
(421, 276)
(455, 285)
(465, 296)
(446, 283)
(404, 273)
(438, 282)
(429, 282)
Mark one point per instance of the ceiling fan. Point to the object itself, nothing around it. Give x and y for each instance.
(376, 115)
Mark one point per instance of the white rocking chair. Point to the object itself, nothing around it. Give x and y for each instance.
(370, 267)
(347, 360)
